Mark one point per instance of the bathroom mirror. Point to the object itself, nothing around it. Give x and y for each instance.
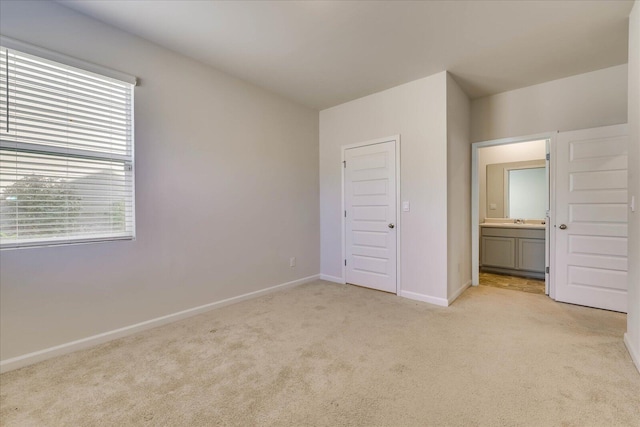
(516, 190)
(526, 193)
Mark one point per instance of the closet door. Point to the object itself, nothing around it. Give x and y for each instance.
(370, 216)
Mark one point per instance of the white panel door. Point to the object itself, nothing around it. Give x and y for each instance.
(370, 204)
(591, 217)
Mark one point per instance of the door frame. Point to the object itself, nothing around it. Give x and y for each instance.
(550, 137)
(396, 140)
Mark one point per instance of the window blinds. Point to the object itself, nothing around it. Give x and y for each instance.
(66, 153)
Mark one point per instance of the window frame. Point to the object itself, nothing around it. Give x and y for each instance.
(128, 161)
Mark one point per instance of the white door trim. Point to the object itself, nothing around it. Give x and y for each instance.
(475, 201)
(396, 140)
(551, 221)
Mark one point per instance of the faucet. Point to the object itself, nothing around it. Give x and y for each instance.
(518, 221)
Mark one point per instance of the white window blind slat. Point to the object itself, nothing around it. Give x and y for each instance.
(66, 100)
(58, 78)
(47, 128)
(54, 102)
(57, 116)
(66, 154)
(64, 137)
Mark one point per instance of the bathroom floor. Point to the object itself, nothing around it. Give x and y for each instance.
(523, 284)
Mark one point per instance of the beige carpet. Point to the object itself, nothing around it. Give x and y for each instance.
(331, 355)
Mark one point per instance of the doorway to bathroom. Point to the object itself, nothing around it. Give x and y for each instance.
(511, 203)
(585, 227)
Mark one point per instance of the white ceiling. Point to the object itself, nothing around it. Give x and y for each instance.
(323, 53)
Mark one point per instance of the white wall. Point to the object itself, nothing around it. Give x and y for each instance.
(226, 184)
(519, 152)
(598, 98)
(632, 338)
(417, 111)
(458, 190)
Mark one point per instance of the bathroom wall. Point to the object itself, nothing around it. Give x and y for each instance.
(520, 152)
(496, 189)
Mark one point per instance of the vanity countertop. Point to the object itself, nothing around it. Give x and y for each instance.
(534, 224)
(513, 225)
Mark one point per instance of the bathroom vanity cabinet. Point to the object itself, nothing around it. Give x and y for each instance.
(518, 251)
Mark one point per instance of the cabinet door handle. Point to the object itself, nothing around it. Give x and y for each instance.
(563, 226)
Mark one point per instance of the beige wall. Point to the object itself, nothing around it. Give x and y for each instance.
(632, 337)
(520, 152)
(416, 111)
(458, 189)
(226, 184)
(598, 98)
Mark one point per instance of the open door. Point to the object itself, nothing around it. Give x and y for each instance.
(591, 217)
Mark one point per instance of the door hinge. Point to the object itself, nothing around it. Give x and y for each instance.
(344, 164)
(345, 214)
(345, 262)
(548, 156)
(546, 270)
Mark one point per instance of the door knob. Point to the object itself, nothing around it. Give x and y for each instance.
(563, 226)
(392, 225)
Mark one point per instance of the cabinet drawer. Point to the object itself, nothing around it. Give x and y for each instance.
(525, 233)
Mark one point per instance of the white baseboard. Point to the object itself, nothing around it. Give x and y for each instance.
(424, 298)
(332, 279)
(459, 292)
(38, 356)
(635, 356)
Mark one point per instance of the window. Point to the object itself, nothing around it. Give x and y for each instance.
(66, 152)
